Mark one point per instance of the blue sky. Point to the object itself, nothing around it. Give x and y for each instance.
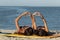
(29, 2)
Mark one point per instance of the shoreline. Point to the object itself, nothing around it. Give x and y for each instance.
(17, 38)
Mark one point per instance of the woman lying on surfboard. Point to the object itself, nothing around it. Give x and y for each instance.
(40, 30)
(26, 30)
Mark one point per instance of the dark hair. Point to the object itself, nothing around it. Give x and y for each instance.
(21, 27)
(28, 31)
(41, 32)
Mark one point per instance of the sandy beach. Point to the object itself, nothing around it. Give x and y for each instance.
(18, 38)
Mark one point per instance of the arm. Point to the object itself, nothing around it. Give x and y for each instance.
(33, 22)
(19, 17)
(45, 23)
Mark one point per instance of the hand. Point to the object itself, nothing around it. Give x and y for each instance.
(25, 13)
(36, 14)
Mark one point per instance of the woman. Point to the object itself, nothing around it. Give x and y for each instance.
(26, 30)
(40, 30)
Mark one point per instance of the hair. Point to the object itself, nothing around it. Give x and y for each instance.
(41, 32)
(21, 27)
(28, 31)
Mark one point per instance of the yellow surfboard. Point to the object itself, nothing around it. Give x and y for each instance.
(33, 36)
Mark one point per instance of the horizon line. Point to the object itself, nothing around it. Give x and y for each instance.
(40, 6)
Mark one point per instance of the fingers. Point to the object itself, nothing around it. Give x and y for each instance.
(25, 13)
(36, 13)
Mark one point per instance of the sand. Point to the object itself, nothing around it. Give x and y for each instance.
(18, 38)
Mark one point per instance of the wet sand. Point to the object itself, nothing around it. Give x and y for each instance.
(18, 38)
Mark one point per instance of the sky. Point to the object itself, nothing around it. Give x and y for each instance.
(29, 2)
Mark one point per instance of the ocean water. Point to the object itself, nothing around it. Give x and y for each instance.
(9, 13)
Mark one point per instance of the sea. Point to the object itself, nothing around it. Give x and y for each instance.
(8, 14)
